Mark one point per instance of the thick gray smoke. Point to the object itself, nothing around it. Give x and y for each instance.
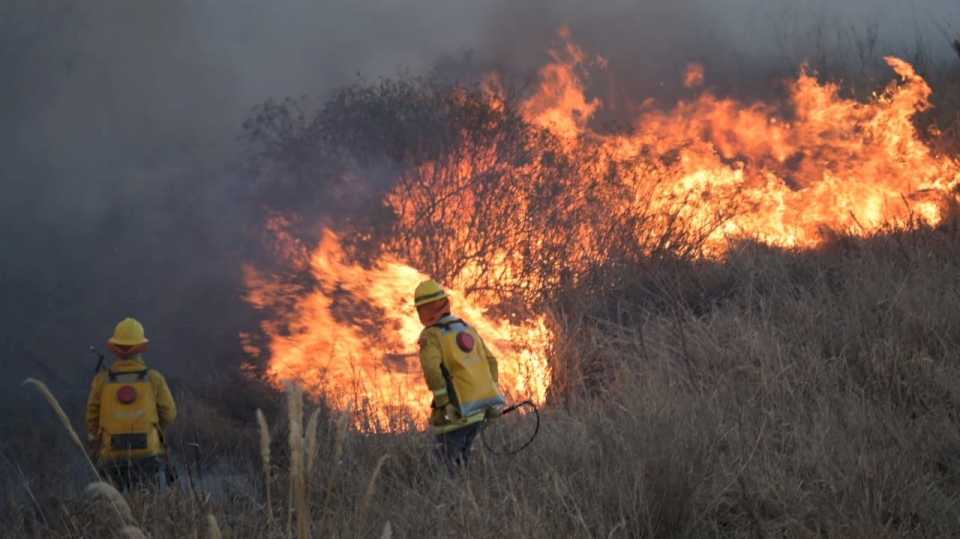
(121, 193)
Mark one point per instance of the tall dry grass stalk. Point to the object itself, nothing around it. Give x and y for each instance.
(298, 478)
(265, 460)
(108, 492)
(312, 442)
(132, 532)
(55, 404)
(213, 529)
(340, 434)
(289, 506)
(371, 488)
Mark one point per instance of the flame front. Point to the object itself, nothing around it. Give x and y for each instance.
(774, 174)
(353, 338)
(835, 164)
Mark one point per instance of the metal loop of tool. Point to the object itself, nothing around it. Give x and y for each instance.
(507, 410)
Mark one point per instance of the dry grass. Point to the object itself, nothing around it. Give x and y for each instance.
(774, 395)
(298, 476)
(114, 498)
(264, 431)
(312, 442)
(132, 532)
(343, 420)
(64, 420)
(213, 529)
(371, 487)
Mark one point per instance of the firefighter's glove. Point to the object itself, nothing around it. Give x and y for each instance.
(93, 444)
(451, 413)
(493, 412)
(438, 417)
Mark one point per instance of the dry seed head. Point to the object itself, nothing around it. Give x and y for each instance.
(295, 418)
(213, 529)
(341, 430)
(55, 404)
(297, 471)
(312, 442)
(264, 439)
(133, 532)
(371, 486)
(265, 460)
(112, 495)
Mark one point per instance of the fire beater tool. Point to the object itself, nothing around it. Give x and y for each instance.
(94, 351)
(510, 409)
(197, 459)
(169, 470)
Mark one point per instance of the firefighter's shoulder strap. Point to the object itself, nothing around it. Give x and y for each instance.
(114, 376)
(446, 325)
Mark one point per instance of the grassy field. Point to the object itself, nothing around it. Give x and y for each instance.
(772, 394)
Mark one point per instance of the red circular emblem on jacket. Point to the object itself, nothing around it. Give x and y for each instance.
(465, 341)
(126, 394)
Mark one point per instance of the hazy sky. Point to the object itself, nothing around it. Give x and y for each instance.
(302, 46)
(190, 70)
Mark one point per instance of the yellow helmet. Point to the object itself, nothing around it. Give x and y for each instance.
(128, 332)
(428, 292)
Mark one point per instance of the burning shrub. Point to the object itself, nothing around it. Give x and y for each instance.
(480, 196)
(520, 202)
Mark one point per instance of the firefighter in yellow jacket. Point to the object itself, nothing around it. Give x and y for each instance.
(460, 372)
(128, 409)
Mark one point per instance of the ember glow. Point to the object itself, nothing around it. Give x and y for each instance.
(777, 173)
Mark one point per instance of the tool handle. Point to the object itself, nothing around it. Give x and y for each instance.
(514, 406)
(94, 351)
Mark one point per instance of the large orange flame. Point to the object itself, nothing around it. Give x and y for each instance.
(787, 174)
(368, 362)
(835, 163)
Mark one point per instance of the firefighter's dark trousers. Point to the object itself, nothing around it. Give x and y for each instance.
(453, 448)
(131, 474)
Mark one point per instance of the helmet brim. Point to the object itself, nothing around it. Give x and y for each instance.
(126, 342)
(430, 298)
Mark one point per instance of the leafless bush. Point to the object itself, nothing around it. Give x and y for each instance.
(477, 193)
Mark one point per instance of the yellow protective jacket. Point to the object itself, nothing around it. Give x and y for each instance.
(460, 370)
(161, 413)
